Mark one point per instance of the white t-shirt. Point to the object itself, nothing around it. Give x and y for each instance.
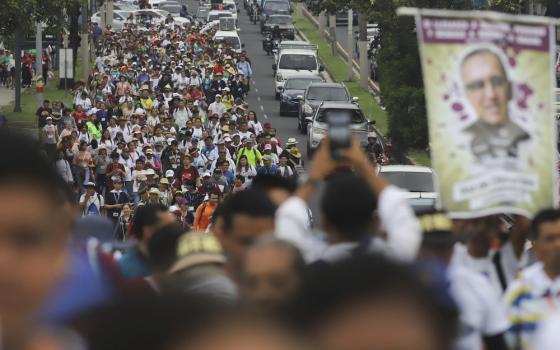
(481, 312)
(484, 266)
(94, 204)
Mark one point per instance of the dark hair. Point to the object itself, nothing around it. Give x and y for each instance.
(348, 204)
(251, 202)
(267, 182)
(24, 162)
(162, 246)
(546, 215)
(135, 322)
(366, 278)
(146, 215)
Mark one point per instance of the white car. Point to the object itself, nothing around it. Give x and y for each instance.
(215, 15)
(293, 62)
(231, 6)
(157, 16)
(229, 37)
(419, 182)
(119, 19)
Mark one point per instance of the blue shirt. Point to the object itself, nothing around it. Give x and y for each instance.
(272, 170)
(134, 265)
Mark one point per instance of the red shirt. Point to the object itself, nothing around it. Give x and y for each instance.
(189, 174)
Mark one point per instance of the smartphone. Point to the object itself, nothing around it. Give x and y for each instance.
(339, 132)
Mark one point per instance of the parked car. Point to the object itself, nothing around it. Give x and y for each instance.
(294, 87)
(317, 126)
(315, 94)
(417, 181)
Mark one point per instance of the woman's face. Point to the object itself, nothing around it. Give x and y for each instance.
(243, 161)
(251, 116)
(126, 209)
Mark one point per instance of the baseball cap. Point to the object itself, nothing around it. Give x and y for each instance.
(90, 184)
(268, 147)
(169, 173)
(207, 174)
(195, 249)
(164, 181)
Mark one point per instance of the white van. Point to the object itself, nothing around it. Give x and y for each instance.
(294, 61)
(229, 37)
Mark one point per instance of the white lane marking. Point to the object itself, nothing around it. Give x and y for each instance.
(256, 90)
(262, 108)
(259, 98)
(265, 116)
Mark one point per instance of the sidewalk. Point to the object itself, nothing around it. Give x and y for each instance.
(6, 96)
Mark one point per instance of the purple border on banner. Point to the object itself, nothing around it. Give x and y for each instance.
(519, 36)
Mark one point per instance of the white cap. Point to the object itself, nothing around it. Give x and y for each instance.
(169, 173)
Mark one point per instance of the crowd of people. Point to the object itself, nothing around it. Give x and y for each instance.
(163, 119)
(157, 212)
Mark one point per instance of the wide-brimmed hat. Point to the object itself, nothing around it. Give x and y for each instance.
(291, 141)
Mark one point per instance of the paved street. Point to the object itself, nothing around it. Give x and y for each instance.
(261, 98)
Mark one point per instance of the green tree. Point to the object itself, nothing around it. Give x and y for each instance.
(23, 14)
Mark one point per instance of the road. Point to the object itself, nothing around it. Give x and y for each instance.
(261, 98)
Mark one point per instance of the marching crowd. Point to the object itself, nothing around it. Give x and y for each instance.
(189, 228)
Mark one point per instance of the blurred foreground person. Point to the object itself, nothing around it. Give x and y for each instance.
(135, 263)
(199, 268)
(246, 216)
(482, 317)
(272, 274)
(535, 294)
(349, 203)
(371, 303)
(35, 225)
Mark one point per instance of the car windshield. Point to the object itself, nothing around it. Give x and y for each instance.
(356, 114)
(410, 181)
(297, 62)
(171, 8)
(229, 7)
(280, 20)
(299, 84)
(230, 40)
(276, 6)
(327, 94)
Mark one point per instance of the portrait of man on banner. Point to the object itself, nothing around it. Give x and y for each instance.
(495, 136)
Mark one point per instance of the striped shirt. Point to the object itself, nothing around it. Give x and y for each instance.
(529, 299)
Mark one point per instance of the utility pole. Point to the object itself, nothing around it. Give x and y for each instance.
(350, 42)
(109, 12)
(332, 32)
(39, 61)
(362, 49)
(17, 83)
(322, 23)
(84, 46)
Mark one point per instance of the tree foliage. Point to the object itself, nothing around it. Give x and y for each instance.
(23, 14)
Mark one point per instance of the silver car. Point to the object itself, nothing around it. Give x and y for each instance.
(317, 126)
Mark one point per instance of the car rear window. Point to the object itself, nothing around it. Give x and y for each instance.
(410, 181)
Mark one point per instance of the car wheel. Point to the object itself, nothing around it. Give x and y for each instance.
(303, 128)
(277, 96)
(309, 150)
(282, 111)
